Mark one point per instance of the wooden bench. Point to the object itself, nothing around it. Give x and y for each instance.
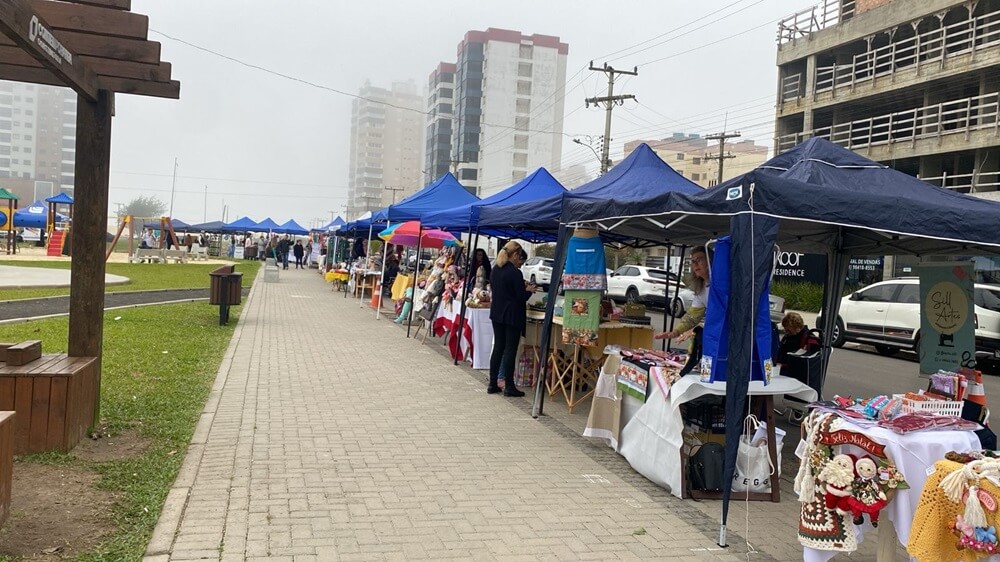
(179, 256)
(146, 255)
(53, 397)
(198, 252)
(6, 462)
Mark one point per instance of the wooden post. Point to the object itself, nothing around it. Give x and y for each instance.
(93, 160)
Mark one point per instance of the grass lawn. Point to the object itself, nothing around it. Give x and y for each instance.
(143, 276)
(158, 367)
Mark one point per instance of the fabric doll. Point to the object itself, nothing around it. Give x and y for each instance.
(407, 306)
(838, 475)
(866, 492)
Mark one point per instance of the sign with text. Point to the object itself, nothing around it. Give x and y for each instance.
(947, 322)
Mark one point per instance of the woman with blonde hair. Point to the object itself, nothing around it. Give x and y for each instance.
(508, 312)
(699, 285)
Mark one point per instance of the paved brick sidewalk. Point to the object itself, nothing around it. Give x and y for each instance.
(330, 436)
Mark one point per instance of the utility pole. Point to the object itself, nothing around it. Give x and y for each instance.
(609, 101)
(204, 217)
(393, 190)
(722, 156)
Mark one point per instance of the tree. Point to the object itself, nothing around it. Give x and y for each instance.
(145, 207)
(545, 250)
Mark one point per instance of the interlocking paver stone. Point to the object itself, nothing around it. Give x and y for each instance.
(329, 435)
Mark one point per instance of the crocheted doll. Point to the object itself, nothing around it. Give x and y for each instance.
(867, 495)
(837, 476)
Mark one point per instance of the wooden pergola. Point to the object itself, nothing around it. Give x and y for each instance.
(97, 48)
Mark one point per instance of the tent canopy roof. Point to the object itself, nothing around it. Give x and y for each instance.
(240, 225)
(538, 185)
(35, 215)
(4, 194)
(639, 176)
(62, 198)
(819, 191)
(442, 193)
(291, 227)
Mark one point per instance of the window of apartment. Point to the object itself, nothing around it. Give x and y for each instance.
(524, 69)
(521, 122)
(27, 137)
(696, 160)
(517, 175)
(15, 161)
(695, 177)
(28, 125)
(4, 162)
(5, 149)
(520, 160)
(523, 88)
(27, 162)
(27, 150)
(680, 155)
(445, 92)
(526, 51)
(468, 173)
(520, 142)
(28, 112)
(523, 105)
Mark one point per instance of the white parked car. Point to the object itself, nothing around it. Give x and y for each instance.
(887, 315)
(538, 270)
(648, 285)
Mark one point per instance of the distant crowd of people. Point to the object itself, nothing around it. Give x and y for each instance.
(262, 247)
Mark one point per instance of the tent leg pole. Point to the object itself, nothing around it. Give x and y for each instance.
(465, 285)
(409, 317)
(385, 258)
(542, 368)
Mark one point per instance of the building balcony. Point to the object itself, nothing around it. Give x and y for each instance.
(937, 52)
(969, 120)
(980, 182)
(811, 20)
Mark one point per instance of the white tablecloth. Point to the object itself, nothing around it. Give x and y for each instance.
(913, 454)
(651, 441)
(482, 336)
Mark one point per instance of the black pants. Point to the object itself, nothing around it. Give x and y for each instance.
(298, 262)
(505, 340)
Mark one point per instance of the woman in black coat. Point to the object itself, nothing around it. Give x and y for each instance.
(508, 312)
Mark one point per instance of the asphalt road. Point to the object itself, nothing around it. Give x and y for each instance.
(30, 308)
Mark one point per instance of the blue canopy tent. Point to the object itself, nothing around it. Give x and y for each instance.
(637, 177)
(177, 224)
(332, 225)
(35, 216)
(210, 226)
(538, 185)
(60, 199)
(817, 197)
(444, 192)
(244, 224)
(291, 227)
(266, 225)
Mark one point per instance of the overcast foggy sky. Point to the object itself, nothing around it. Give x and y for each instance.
(274, 147)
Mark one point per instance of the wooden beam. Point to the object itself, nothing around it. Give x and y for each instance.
(31, 75)
(15, 56)
(119, 48)
(170, 89)
(33, 34)
(92, 175)
(91, 19)
(113, 4)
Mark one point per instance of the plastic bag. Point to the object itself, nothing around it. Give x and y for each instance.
(753, 464)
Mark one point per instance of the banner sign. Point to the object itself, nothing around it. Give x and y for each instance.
(947, 322)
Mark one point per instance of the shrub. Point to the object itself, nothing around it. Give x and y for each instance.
(806, 297)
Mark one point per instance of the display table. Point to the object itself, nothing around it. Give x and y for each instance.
(610, 409)
(651, 440)
(913, 454)
(365, 281)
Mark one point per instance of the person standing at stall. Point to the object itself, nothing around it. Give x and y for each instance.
(298, 251)
(699, 285)
(508, 313)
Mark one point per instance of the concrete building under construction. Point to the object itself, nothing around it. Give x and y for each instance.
(915, 85)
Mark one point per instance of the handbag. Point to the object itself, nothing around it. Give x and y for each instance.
(705, 466)
(753, 464)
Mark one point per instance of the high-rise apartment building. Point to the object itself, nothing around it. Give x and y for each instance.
(695, 157)
(37, 139)
(914, 85)
(508, 107)
(440, 109)
(386, 139)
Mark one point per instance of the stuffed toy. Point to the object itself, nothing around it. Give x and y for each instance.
(837, 477)
(407, 306)
(867, 496)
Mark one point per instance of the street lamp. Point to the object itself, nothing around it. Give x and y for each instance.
(589, 144)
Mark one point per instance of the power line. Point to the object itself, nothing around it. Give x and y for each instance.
(234, 180)
(609, 101)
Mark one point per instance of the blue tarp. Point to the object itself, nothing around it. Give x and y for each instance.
(443, 193)
(291, 227)
(538, 185)
(61, 199)
(35, 216)
(240, 225)
(638, 177)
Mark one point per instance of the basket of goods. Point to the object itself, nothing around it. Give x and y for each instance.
(914, 402)
(634, 313)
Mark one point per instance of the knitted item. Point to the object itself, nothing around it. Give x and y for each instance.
(825, 529)
(933, 533)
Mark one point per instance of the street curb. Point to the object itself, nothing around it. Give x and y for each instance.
(162, 540)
